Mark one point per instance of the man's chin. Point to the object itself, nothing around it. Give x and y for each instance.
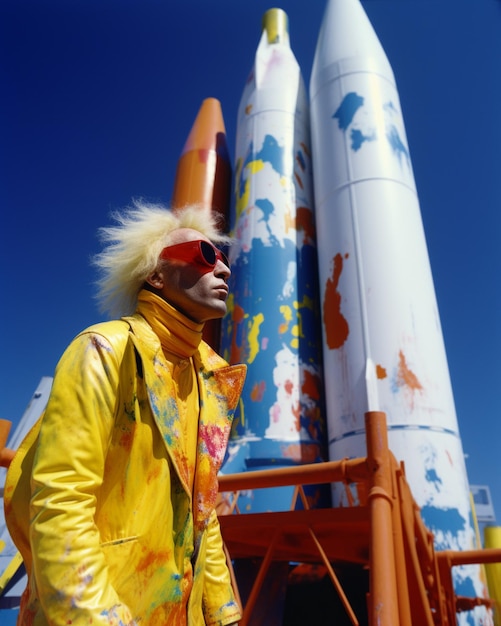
(217, 313)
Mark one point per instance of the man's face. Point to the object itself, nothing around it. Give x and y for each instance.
(197, 291)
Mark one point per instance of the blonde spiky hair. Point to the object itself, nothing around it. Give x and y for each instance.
(132, 249)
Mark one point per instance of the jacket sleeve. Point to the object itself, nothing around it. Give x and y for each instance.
(68, 565)
(220, 606)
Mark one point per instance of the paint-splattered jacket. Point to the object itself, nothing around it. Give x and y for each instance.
(116, 537)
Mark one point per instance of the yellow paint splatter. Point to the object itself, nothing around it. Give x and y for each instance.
(230, 303)
(286, 312)
(289, 220)
(255, 166)
(254, 336)
(241, 412)
(307, 303)
(242, 189)
(241, 194)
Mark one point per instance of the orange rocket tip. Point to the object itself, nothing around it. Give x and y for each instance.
(208, 131)
(203, 175)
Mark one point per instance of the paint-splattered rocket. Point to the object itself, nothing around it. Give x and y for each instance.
(273, 323)
(383, 344)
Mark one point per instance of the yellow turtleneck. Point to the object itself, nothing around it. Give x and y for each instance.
(179, 338)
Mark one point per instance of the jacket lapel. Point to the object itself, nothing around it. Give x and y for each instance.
(220, 386)
(161, 396)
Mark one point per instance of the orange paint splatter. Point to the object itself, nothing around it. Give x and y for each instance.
(257, 391)
(380, 372)
(304, 222)
(405, 376)
(236, 351)
(289, 387)
(305, 453)
(238, 314)
(126, 439)
(153, 474)
(336, 326)
(296, 412)
(299, 181)
(248, 109)
(305, 148)
(310, 386)
(153, 559)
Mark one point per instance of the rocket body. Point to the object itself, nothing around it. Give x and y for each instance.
(383, 343)
(273, 320)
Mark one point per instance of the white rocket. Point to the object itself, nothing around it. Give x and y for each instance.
(383, 344)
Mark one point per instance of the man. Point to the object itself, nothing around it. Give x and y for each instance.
(118, 525)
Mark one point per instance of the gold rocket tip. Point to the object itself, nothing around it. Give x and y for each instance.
(207, 128)
(276, 24)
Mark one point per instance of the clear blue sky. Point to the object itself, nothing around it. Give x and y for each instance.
(97, 99)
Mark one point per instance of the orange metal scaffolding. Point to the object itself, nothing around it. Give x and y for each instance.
(410, 583)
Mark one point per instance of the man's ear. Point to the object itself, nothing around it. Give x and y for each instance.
(155, 280)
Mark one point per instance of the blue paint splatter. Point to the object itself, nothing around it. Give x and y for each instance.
(272, 153)
(432, 477)
(397, 145)
(390, 107)
(445, 520)
(267, 208)
(347, 109)
(465, 587)
(358, 138)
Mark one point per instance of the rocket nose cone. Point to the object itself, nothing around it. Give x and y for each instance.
(276, 25)
(207, 128)
(347, 35)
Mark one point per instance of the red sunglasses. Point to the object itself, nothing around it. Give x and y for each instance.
(199, 251)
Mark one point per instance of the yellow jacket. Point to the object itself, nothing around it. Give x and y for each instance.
(115, 536)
